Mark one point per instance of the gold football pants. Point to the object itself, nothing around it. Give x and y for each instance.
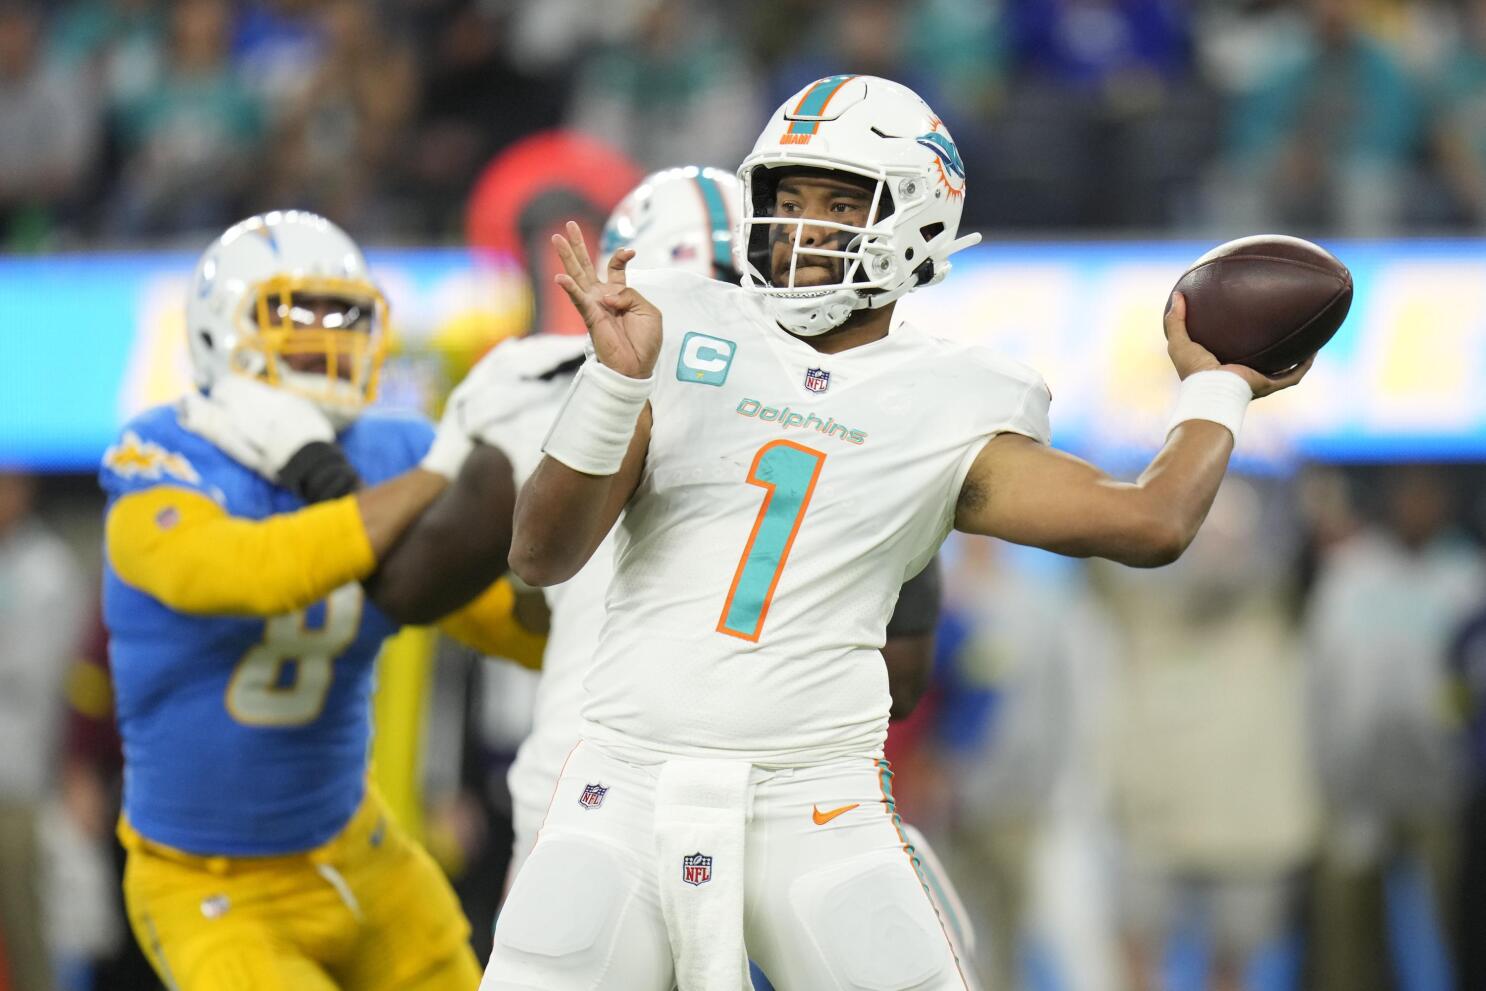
(368, 911)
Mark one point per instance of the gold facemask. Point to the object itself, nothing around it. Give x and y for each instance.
(284, 342)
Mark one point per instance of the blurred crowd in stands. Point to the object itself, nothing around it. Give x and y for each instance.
(127, 121)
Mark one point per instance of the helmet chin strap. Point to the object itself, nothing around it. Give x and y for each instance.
(811, 316)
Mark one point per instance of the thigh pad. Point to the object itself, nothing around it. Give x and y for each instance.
(873, 923)
(566, 901)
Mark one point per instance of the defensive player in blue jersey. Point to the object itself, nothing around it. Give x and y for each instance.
(264, 536)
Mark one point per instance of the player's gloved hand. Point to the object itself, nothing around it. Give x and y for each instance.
(281, 436)
(510, 379)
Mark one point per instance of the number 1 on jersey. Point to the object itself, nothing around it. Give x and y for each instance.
(786, 471)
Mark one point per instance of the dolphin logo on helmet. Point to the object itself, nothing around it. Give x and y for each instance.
(952, 167)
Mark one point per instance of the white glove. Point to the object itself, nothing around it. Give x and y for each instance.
(509, 380)
(259, 425)
(451, 445)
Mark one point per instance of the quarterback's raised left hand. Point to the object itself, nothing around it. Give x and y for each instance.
(624, 326)
(261, 426)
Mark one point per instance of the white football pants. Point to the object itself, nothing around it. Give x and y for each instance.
(833, 894)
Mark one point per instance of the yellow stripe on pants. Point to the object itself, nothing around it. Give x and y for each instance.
(399, 710)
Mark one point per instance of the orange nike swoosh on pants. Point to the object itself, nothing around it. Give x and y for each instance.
(821, 818)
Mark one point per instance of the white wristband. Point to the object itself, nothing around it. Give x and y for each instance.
(593, 429)
(1221, 397)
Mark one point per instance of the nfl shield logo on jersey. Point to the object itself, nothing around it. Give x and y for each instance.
(593, 796)
(817, 379)
(696, 868)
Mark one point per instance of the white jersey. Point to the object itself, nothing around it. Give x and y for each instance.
(577, 605)
(786, 497)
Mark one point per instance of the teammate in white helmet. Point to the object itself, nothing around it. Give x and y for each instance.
(681, 219)
(784, 455)
(684, 219)
(264, 535)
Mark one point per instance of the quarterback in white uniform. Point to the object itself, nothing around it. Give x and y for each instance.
(681, 219)
(785, 455)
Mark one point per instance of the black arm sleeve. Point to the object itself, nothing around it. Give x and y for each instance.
(456, 549)
(909, 651)
(917, 610)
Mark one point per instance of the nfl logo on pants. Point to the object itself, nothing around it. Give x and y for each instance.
(696, 868)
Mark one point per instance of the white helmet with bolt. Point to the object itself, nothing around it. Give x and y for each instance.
(879, 130)
(287, 297)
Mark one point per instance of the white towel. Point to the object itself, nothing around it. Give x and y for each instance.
(700, 816)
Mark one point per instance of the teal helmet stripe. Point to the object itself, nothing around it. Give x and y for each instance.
(813, 103)
(717, 219)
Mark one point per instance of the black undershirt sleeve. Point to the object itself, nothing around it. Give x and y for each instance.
(917, 611)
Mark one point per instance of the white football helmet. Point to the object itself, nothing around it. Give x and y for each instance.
(287, 297)
(682, 218)
(869, 127)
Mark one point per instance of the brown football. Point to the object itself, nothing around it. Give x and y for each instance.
(1267, 301)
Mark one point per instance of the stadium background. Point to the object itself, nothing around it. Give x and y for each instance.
(1123, 771)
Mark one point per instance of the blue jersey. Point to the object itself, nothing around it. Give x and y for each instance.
(243, 736)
